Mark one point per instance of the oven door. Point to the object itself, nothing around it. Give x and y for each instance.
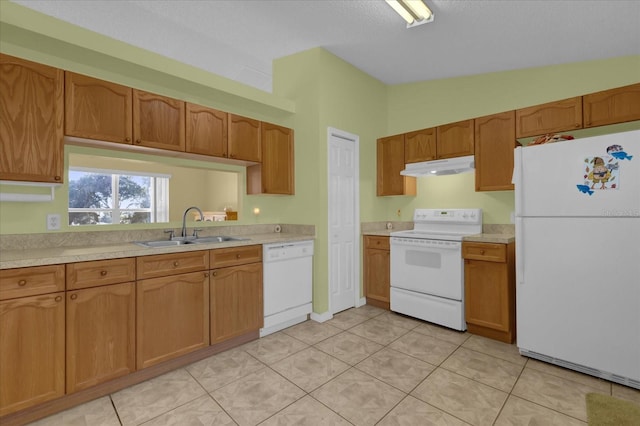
(427, 266)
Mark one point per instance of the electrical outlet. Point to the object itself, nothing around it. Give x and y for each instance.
(53, 222)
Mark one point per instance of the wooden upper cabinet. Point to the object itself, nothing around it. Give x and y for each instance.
(420, 146)
(97, 109)
(206, 131)
(31, 121)
(455, 139)
(158, 121)
(495, 140)
(612, 106)
(552, 117)
(275, 175)
(390, 162)
(244, 138)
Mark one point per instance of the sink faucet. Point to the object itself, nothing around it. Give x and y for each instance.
(184, 219)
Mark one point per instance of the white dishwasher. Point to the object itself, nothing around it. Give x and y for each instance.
(287, 284)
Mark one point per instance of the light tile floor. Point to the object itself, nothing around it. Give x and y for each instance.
(366, 366)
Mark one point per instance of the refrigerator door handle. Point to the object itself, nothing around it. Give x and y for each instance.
(516, 179)
(520, 256)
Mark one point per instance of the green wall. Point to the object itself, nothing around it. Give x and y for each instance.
(312, 90)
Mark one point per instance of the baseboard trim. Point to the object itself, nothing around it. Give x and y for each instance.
(325, 316)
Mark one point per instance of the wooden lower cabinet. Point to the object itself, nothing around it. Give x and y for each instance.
(172, 317)
(377, 271)
(236, 301)
(489, 279)
(100, 334)
(32, 355)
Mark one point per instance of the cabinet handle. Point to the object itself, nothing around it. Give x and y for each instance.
(127, 139)
(74, 296)
(238, 256)
(103, 273)
(481, 251)
(214, 273)
(138, 141)
(22, 283)
(57, 178)
(206, 274)
(176, 264)
(58, 298)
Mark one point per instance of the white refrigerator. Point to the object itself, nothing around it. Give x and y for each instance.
(578, 254)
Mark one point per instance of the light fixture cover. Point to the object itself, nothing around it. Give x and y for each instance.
(415, 12)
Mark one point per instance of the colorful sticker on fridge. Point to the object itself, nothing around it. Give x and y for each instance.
(601, 172)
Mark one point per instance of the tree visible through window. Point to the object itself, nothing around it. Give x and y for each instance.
(105, 196)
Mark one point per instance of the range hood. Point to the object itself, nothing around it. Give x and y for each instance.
(448, 166)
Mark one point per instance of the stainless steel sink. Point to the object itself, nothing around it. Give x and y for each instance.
(216, 239)
(182, 241)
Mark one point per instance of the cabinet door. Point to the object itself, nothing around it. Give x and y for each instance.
(455, 139)
(206, 131)
(236, 301)
(276, 173)
(97, 109)
(612, 106)
(486, 295)
(495, 140)
(244, 138)
(172, 317)
(31, 121)
(158, 121)
(551, 117)
(31, 351)
(100, 334)
(390, 162)
(377, 277)
(420, 146)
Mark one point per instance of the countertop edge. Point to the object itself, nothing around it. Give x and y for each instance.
(10, 259)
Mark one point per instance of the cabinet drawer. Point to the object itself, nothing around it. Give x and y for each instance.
(232, 256)
(374, 242)
(485, 251)
(169, 264)
(21, 282)
(100, 272)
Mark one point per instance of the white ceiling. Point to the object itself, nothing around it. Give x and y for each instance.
(239, 39)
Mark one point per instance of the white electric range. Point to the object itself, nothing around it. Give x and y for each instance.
(427, 271)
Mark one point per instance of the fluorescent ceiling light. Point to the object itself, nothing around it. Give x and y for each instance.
(415, 12)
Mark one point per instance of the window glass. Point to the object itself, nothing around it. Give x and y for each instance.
(104, 197)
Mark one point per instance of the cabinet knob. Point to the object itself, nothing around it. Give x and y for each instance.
(74, 296)
(232, 155)
(22, 283)
(58, 298)
(215, 273)
(127, 139)
(206, 274)
(57, 178)
(481, 251)
(138, 141)
(238, 256)
(176, 264)
(103, 273)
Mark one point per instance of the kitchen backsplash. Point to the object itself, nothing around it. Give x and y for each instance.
(93, 238)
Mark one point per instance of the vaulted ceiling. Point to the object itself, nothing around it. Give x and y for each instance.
(239, 39)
